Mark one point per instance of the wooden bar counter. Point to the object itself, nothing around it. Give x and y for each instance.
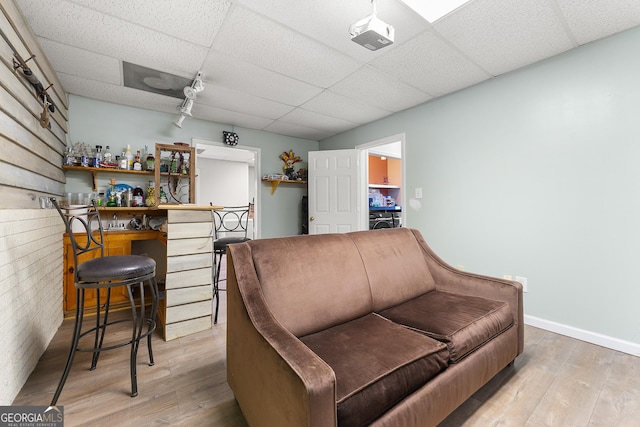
(186, 257)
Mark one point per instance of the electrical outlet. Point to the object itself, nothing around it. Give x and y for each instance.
(506, 276)
(418, 192)
(460, 267)
(523, 281)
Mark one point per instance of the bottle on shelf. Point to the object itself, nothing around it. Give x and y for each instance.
(129, 157)
(151, 194)
(108, 158)
(123, 161)
(97, 157)
(111, 203)
(163, 196)
(151, 162)
(138, 197)
(137, 165)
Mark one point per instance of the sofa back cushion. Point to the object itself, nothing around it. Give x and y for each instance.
(395, 265)
(311, 283)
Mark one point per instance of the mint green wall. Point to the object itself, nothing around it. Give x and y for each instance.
(537, 174)
(96, 122)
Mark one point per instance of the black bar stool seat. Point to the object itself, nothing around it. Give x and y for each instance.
(119, 267)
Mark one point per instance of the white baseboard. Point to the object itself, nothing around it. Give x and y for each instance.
(583, 335)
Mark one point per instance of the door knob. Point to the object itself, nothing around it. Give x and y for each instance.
(311, 219)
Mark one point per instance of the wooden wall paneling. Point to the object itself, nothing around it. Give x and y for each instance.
(17, 177)
(180, 313)
(188, 327)
(43, 65)
(189, 295)
(187, 278)
(19, 156)
(189, 246)
(189, 230)
(16, 101)
(189, 262)
(180, 216)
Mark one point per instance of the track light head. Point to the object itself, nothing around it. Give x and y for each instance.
(178, 123)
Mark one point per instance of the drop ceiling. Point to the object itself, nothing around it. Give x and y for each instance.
(289, 66)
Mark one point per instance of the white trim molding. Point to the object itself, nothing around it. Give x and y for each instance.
(583, 335)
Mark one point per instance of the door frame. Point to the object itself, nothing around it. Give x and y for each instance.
(257, 219)
(363, 151)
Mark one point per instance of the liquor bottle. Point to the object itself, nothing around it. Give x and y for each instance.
(163, 196)
(151, 162)
(108, 158)
(129, 157)
(137, 165)
(122, 164)
(97, 158)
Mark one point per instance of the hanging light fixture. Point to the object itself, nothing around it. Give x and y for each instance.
(190, 93)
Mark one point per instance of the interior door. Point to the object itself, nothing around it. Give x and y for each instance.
(333, 191)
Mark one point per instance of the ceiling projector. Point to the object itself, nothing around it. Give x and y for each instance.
(372, 33)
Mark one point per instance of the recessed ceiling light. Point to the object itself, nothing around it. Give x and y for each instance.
(432, 10)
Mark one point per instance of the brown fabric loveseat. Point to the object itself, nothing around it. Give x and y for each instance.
(364, 328)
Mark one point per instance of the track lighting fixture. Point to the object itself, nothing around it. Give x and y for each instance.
(190, 93)
(178, 123)
(196, 87)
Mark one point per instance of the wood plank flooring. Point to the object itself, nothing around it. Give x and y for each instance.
(557, 381)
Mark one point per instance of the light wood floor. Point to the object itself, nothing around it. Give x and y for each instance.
(557, 381)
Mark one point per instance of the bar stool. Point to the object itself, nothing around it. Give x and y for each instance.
(105, 273)
(230, 226)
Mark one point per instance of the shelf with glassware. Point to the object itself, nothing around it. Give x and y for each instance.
(177, 164)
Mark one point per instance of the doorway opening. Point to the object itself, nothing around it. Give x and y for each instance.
(383, 179)
(227, 176)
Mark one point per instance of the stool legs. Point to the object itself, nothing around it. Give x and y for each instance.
(216, 284)
(74, 344)
(102, 321)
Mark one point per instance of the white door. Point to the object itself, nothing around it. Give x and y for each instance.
(333, 191)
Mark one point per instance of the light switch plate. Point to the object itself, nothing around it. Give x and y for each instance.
(418, 192)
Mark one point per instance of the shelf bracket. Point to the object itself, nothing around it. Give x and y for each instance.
(274, 185)
(94, 179)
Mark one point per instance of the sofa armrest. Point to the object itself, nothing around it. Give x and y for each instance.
(450, 279)
(276, 379)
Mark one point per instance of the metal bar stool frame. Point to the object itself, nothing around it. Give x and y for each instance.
(233, 220)
(134, 272)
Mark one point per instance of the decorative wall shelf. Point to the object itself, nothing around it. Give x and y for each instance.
(276, 182)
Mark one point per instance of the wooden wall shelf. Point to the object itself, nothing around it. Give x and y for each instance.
(276, 182)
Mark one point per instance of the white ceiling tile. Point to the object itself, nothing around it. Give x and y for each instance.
(502, 35)
(104, 34)
(225, 70)
(82, 63)
(335, 105)
(196, 21)
(600, 19)
(118, 94)
(255, 39)
(429, 63)
(376, 88)
(315, 120)
(328, 21)
(220, 115)
(297, 131)
(230, 99)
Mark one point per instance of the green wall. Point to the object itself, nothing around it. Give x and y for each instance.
(96, 122)
(537, 174)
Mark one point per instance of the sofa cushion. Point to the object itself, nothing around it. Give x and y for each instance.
(395, 264)
(462, 322)
(377, 363)
(321, 284)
